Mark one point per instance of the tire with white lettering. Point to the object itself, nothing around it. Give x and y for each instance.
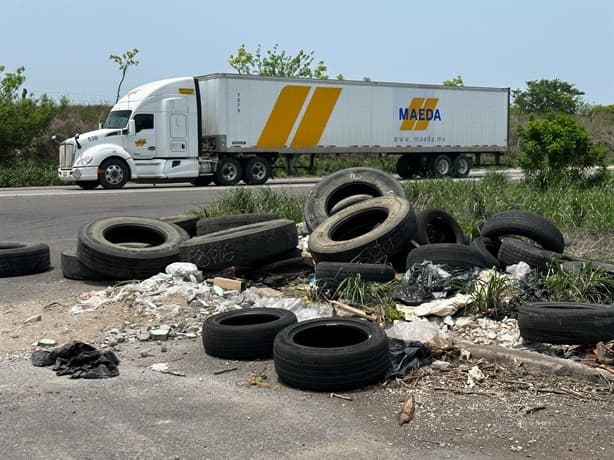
(331, 354)
(185, 221)
(513, 250)
(567, 323)
(369, 231)
(73, 269)
(525, 223)
(19, 258)
(452, 254)
(244, 334)
(129, 247)
(438, 226)
(336, 187)
(209, 225)
(240, 246)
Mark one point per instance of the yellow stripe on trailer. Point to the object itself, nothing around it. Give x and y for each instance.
(316, 117)
(283, 116)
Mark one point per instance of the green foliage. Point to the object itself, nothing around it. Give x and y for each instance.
(488, 294)
(23, 120)
(588, 284)
(557, 146)
(124, 62)
(456, 81)
(24, 172)
(277, 63)
(543, 96)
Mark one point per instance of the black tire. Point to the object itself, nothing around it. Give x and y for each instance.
(513, 250)
(102, 246)
(527, 224)
(338, 186)
(73, 269)
(331, 354)
(257, 171)
(185, 221)
(330, 274)
(216, 224)
(408, 166)
(369, 231)
(228, 171)
(244, 334)
(201, 181)
(461, 166)
(347, 202)
(566, 322)
(488, 249)
(452, 254)
(438, 226)
(113, 173)
(23, 258)
(88, 185)
(441, 166)
(575, 266)
(240, 246)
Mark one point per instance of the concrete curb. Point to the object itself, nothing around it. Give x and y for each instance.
(535, 362)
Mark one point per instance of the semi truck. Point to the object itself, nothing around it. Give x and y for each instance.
(224, 128)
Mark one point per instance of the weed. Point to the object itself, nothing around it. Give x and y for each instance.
(489, 294)
(587, 284)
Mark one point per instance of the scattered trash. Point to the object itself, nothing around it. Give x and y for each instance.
(336, 395)
(79, 360)
(439, 307)
(474, 376)
(185, 271)
(163, 369)
(46, 342)
(406, 357)
(420, 330)
(223, 371)
(408, 412)
(33, 319)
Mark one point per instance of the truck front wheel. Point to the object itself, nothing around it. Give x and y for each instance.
(228, 171)
(441, 166)
(257, 171)
(113, 173)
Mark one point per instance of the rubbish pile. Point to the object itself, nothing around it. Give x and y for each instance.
(360, 225)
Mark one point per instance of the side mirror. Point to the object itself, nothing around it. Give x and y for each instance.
(131, 127)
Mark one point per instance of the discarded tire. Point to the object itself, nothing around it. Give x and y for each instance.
(488, 249)
(365, 232)
(527, 224)
(576, 266)
(333, 189)
(438, 226)
(513, 250)
(452, 254)
(73, 269)
(244, 334)
(331, 354)
(330, 274)
(185, 221)
(216, 224)
(240, 246)
(125, 248)
(23, 258)
(566, 322)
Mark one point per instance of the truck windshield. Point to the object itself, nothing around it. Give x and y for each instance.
(117, 119)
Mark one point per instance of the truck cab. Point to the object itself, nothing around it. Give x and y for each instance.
(150, 135)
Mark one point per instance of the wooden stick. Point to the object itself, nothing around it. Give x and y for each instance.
(356, 311)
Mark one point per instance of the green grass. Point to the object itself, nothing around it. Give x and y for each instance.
(588, 284)
(28, 172)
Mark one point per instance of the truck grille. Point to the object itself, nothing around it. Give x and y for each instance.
(66, 155)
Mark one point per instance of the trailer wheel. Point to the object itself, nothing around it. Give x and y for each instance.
(462, 166)
(441, 166)
(228, 171)
(408, 166)
(88, 185)
(257, 171)
(113, 173)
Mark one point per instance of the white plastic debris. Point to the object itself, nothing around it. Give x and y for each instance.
(159, 367)
(475, 375)
(518, 271)
(420, 330)
(294, 304)
(186, 271)
(439, 307)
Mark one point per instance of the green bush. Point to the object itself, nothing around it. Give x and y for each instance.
(557, 147)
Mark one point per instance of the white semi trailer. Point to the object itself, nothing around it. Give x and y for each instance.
(226, 128)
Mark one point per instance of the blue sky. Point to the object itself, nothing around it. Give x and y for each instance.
(65, 44)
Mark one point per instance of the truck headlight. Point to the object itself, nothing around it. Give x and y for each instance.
(84, 161)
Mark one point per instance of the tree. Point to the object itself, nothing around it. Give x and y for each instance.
(124, 62)
(277, 63)
(22, 119)
(557, 146)
(543, 96)
(456, 81)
